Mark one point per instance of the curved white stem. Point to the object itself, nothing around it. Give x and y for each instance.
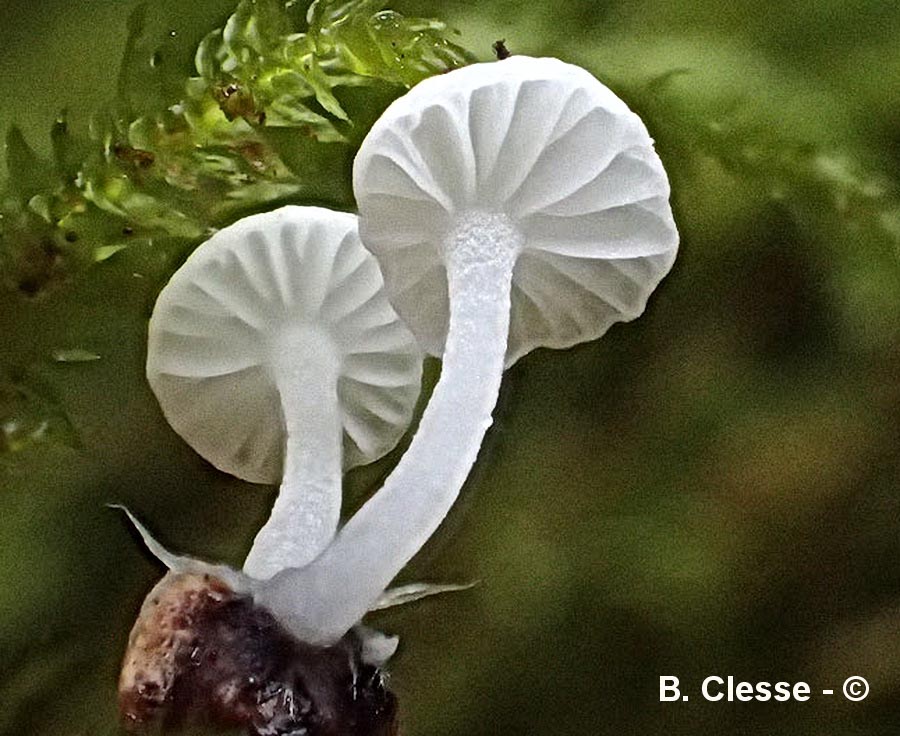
(321, 602)
(306, 513)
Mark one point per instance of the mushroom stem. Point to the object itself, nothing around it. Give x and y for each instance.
(308, 508)
(322, 601)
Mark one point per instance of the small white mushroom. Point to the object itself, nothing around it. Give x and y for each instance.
(511, 205)
(274, 353)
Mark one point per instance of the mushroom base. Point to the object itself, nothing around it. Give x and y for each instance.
(201, 652)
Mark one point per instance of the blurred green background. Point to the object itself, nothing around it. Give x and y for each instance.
(712, 489)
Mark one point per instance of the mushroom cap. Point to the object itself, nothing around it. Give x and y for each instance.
(553, 152)
(233, 306)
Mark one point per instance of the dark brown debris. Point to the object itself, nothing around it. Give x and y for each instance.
(135, 157)
(500, 50)
(200, 652)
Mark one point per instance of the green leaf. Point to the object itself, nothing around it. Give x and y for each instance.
(74, 355)
(28, 173)
(256, 27)
(137, 22)
(107, 251)
(208, 58)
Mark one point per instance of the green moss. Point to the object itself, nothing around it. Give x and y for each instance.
(176, 158)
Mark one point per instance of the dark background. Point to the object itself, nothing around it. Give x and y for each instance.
(712, 489)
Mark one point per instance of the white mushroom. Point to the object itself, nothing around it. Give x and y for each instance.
(511, 205)
(275, 354)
